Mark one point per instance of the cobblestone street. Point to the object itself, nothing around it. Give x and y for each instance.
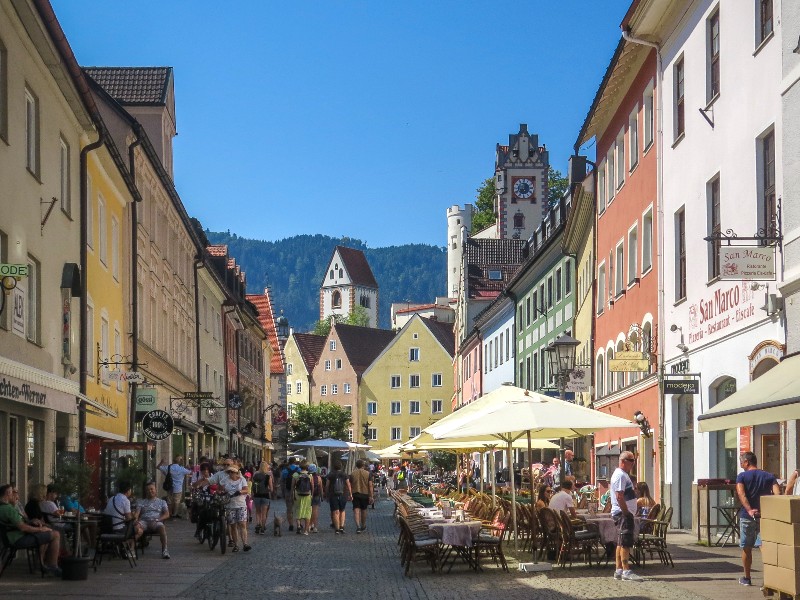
(361, 567)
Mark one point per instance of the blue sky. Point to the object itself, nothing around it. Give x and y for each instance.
(359, 119)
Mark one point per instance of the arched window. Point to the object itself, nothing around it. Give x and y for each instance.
(647, 341)
(609, 374)
(600, 377)
(337, 299)
(620, 374)
(519, 221)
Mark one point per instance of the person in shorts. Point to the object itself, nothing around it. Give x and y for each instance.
(316, 498)
(153, 511)
(361, 485)
(22, 534)
(236, 487)
(623, 508)
(338, 490)
(751, 484)
(262, 490)
(287, 476)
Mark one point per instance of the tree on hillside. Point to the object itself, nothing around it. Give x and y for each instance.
(484, 203)
(557, 186)
(323, 417)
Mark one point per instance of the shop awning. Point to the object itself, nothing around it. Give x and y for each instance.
(772, 398)
(95, 407)
(34, 387)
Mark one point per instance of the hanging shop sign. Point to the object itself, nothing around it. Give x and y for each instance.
(198, 395)
(234, 401)
(12, 270)
(279, 417)
(146, 399)
(126, 376)
(579, 381)
(749, 263)
(629, 365)
(158, 424)
(682, 386)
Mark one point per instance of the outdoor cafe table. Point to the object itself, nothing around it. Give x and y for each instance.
(605, 525)
(458, 536)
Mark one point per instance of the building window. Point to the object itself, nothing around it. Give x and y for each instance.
(395, 434)
(550, 292)
(90, 214)
(558, 285)
(288, 389)
(713, 56)
(436, 380)
(115, 248)
(567, 278)
(633, 138)
(611, 173)
(102, 234)
(346, 388)
(436, 406)
(373, 434)
(336, 300)
(601, 288)
(364, 301)
(338, 364)
(33, 301)
(334, 389)
(414, 431)
(31, 132)
(104, 352)
(289, 368)
(508, 343)
(395, 407)
(332, 345)
(66, 196)
(118, 352)
(632, 255)
(413, 381)
(350, 435)
(680, 255)
(600, 377)
(395, 384)
(619, 268)
(414, 407)
(323, 390)
(299, 387)
(621, 158)
(601, 188)
(648, 106)
(714, 227)
(413, 354)
(764, 20)
(770, 207)
(3, 92)
(91, 352)
(647, 241)
(678, 76)
(327, 365)
(372, 408)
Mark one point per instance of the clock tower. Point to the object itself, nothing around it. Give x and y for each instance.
(521, 183)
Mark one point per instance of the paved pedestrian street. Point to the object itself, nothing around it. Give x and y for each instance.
(366, 567)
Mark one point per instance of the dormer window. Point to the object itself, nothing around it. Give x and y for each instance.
(495, 275)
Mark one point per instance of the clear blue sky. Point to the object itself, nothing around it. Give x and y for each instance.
(365, 119)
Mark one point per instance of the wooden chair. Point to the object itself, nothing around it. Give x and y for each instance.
(573, 541)
(490, 543)
(414, 548)
(656, 542)
(114, 542)
(8, 551)
(552, 532)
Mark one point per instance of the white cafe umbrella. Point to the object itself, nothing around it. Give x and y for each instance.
(509, 412)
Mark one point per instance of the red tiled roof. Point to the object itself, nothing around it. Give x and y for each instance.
(266, 317)
(133, 85)
(220, 250)
(416, 308)
(310, 347)
(357, 266)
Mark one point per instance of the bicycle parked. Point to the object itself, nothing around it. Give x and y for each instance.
(212, 525)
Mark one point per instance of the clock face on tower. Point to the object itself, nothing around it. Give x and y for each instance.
(523, 188)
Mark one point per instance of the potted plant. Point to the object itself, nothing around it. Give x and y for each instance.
(74, 479)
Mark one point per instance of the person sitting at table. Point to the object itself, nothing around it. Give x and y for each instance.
(118, 510)
(543, 497)
(70, 503)
(563, 500)
(22, 534)
(644, 501)
(153, 511)
(35, 497)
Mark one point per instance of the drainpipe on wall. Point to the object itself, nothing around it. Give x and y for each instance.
(134, 290)
(198, 264)
(659, 255)
(84, 312)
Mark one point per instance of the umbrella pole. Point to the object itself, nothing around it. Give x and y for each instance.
(530, 465)
(513, 494)
(483, 472)
(494, 478)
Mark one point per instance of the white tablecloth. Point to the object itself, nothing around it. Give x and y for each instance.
(608, 531)
(456, 534)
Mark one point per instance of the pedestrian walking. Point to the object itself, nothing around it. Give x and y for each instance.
(302, 489)
(363, 494)
(261, 489)
(338, 491)
(178, 473)
(287, 475)
(235, 485)
(623, 507)
(751, 484)
(316, 498)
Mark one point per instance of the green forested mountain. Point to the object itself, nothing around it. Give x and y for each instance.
(293, 269)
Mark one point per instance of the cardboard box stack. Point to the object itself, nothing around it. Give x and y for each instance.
(780, 543)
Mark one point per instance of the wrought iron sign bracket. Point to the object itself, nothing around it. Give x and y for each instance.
(770, 235)
(180, 404)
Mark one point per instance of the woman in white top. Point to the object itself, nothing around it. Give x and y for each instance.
(237, 488)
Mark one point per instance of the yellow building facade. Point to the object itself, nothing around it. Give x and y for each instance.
(408, 387)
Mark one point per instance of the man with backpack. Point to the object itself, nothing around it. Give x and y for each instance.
(338, 490)
(175, 474)
(303, 489)
(287, 475)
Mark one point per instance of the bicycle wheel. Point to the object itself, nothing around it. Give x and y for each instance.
(223, 530)
(213, 536)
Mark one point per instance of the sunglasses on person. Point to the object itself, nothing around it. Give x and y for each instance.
(629, 459)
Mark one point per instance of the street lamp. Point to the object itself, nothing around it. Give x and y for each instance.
(643, 423)
(561, 354)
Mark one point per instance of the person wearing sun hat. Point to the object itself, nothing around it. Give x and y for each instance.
(236, 487)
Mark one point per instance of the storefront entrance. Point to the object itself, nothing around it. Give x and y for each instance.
(685, 425)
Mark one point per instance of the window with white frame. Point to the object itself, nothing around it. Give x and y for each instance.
(601, 288)
(414, 432)
(102, 233)
(647, 241)
(395, 406)
(395, 434)
(348, 408)
(104, 353)
(118, 352)
(633, 139)
(372, 408)
(600, 376)
(299, 387)
(395, 382)
(601, 188)
(621, 158)
(334, 389)
(289, 389)
(648, 106)
(764, 21)
(413, 407)
(289, 368)
(678, 91)
(31, 132)
(327, 365)
(436, 380)
(346, 388)
(713, 55)
(64, 176)
(611, 173)
(372, 433)
(338, 364)
(115, 248)
(90, 214)
(332, 345)
(619, 282)
(436, 407)
(413, 354)
(33, 301)
(413, 381)
(633, 246)
(323, 390)
(567, 278)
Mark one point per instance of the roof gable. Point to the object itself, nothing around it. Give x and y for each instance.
(310, 347)
(356, 266)
(134, 86)
(362, 345)
(266, 316)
